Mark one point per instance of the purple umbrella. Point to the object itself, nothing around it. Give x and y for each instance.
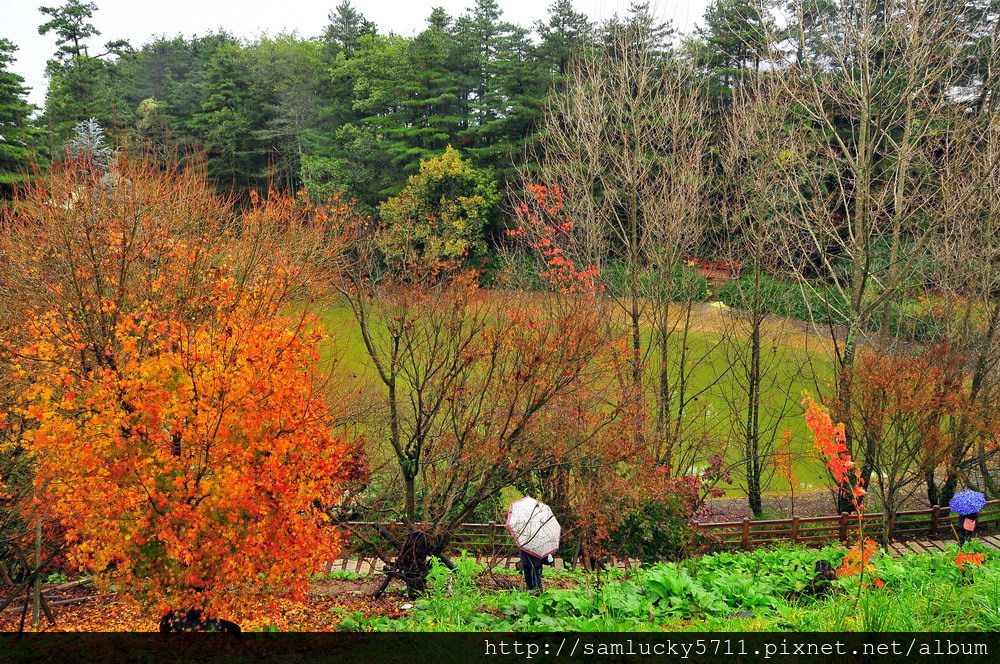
(967, 502)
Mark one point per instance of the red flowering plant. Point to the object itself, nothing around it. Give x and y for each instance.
(975, 559)
(831, 443)
(969, 562)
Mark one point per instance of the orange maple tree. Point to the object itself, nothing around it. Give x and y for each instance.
(830, 441)
(904, 408)
(175, 408)
(543, 223)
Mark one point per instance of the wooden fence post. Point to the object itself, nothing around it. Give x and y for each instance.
(935, 515)
(795, 529)
(843, 527)
(746, 533)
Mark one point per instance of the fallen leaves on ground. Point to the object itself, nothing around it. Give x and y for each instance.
(320, 611)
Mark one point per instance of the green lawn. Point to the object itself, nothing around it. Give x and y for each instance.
(706, 359)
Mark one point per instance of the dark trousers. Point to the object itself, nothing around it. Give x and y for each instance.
(963, 534)
(531, 566)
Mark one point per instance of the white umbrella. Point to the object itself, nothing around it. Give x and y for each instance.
(533, 527)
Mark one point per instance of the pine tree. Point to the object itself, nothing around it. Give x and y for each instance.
(565, 31)
(347, 26)
(227, 119)
(506, 87)
(813, 30)
(80, 85)
(70, 23)
(369, 139)
(290, 71)
(89, 142)
(434, 107)
(740, 37)
(638, 31)
(16, 133)
(409, 93)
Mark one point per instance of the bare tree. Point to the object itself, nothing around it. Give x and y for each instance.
(759, 392)
(965, 314)
(626, 140)
(867, 152)
(467, 387)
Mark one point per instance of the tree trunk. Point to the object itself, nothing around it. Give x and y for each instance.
(411, 565)
(753, 408)
(933, 494)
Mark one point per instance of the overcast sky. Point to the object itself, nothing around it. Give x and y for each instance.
(139, 20)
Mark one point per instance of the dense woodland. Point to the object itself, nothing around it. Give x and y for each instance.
(503, 227)
(356, 110)
(352, 109)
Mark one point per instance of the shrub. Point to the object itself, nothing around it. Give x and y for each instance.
(785, 298)
(440, 214)
(658, 525)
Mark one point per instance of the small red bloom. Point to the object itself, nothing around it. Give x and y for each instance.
(974, 558)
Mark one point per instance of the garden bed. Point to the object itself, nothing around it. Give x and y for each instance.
(766, 590)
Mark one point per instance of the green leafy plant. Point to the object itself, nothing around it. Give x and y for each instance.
(453, 598)
(55, 578)
(675, 592)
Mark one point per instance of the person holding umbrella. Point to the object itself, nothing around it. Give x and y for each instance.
(536, 533)
(966, 504)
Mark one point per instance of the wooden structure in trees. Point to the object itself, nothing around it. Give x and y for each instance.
(715, 270)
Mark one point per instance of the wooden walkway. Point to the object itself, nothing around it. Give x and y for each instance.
(938, 546)
(369, 566)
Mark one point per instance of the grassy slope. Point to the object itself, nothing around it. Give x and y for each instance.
(785, 351)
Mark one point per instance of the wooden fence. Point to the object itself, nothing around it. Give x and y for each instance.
(481, 539)
(912, 523)
(492, 539)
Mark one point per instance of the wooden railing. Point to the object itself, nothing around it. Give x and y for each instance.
(911, 523)
(484, 539)
(479, 538)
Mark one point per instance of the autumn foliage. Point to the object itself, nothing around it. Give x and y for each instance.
(903, 404)
(172, 404)
(857, 561)
(830, 442)
(476, 390)
(543, 223)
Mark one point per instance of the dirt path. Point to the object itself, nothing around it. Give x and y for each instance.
(717, 318)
